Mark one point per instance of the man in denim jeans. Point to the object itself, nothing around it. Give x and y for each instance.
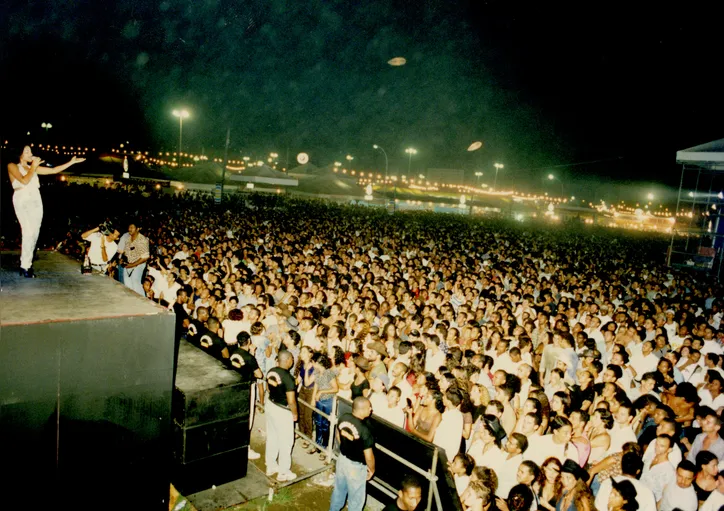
(356, 462)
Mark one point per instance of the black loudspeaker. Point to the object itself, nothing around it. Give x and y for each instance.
(210, 422)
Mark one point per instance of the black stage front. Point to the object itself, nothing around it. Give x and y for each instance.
(85, 390)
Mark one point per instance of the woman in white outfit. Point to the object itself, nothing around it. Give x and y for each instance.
(28, 203)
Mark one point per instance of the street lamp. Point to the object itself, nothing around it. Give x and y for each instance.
(394, 199)
(650, 196)
(383, 152)
(181, 114)
(478, 175)
(410, 151)
(46, 126)
(497, 166)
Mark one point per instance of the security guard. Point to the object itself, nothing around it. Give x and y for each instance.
(356, 462)
(245, 364)
(281, 414)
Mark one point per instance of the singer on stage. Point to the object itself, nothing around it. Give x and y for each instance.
(28, 203)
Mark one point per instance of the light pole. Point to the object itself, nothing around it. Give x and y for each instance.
(478, 175)
(46, 126)
(497, 166)
(386, 164)
(410, 151)
(181, 114)
(349, 158)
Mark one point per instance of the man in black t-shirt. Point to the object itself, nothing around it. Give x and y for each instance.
(356, 462)
(197, 327)
(245, 364)
(408, 497)
(281, 414)
(212, 343)
(182, 318)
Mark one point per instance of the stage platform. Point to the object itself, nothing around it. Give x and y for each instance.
(85, 390)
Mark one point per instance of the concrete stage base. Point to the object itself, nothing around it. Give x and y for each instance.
(85, 390)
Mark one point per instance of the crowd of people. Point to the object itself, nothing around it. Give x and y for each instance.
(557, 369)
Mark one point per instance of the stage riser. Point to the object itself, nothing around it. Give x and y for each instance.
(86, 400)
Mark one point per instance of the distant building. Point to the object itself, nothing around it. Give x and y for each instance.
(448, 176)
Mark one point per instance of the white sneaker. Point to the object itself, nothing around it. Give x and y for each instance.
(271, 471)
(289, 476)
(253, 455)
(326, 482)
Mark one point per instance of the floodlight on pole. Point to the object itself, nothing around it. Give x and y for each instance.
(497, 166)
(410, 151)
(181, 114)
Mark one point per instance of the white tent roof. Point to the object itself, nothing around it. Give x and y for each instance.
(710, 154)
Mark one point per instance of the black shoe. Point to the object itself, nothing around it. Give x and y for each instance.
(28, 274)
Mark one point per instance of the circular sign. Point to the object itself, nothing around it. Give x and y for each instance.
(397, 61)
(302, 158)
(475, 146)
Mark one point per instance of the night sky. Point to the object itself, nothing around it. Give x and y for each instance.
(540, 84)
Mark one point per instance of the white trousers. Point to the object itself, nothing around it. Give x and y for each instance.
(279, 437)
(29, 210)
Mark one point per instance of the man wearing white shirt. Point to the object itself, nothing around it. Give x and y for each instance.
(631, 468)
(391, 410)
(435, 357)
(646, 362)
(711, 394)
(557, 444)
(658, 471)
(449, 432)
(711, 345)
(680, 493)
(507, 471)
(102, 248)
(708, 439)
(622, 431)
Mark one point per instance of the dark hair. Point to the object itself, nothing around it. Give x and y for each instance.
(520, 498)
(606, 417)
(322, 359)
(410, 481)
(628, 492)
(687, 466)
(533, 468)
(521, 440)
(243, 338)
(616, 370)
(558, 422)
(631, 464)
(704, 458)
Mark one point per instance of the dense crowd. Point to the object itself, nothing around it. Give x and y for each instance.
(557, 369)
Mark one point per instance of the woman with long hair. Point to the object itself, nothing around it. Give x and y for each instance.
(325, 388)
(576, 495)
(424, 420)
(548, 487)
(28, 203)
(306, 393)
